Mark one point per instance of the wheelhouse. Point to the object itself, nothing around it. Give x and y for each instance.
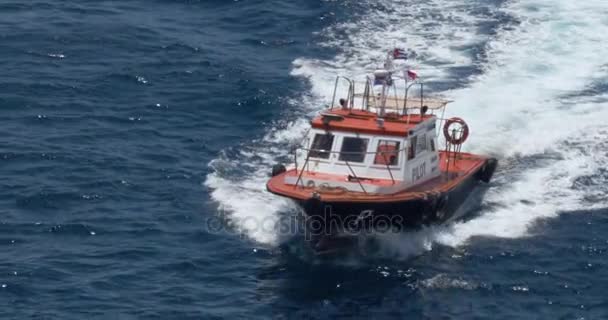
(386, 144)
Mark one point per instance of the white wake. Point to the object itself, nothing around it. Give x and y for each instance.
(530, 107)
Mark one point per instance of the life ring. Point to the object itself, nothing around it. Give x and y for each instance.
(452, 138)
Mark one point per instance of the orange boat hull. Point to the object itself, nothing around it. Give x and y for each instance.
(434, 201)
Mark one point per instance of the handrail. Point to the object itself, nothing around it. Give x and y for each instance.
(302, 171)
(295, 158)
(348, 152)
(351, 92)
(355, 175)
(407, 89)
(308, 150)
(347, 164)
(333, 98)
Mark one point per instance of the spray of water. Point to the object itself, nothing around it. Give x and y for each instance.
(533, 105)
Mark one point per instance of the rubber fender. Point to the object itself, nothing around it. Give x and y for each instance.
(486, 173)
(278, 169)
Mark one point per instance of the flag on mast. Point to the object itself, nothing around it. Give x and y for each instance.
(412, 75)
(399, 54)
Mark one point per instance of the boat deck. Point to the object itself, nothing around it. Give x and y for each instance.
(451, 176)
(339, 178)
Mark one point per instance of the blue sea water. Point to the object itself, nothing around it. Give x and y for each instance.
(133, 131)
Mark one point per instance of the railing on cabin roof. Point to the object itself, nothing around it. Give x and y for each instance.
(387, 101)
(384, 102)
(350, 100)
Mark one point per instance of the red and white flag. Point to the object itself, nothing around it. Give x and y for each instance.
(412, 75)
(399, 54)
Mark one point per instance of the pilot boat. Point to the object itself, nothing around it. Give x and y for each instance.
(372, 159)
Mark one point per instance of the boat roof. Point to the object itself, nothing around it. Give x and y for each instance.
(366, 122)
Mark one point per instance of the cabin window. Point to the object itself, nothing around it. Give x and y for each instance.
(321, 146)
(421, 145)
(411, 151)
(432, 144)
(387, 153)
(353, 149)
